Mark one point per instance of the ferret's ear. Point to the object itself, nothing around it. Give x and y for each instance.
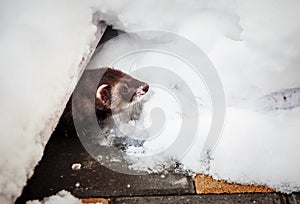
(103, 94)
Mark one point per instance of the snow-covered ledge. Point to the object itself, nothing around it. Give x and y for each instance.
(45, 46)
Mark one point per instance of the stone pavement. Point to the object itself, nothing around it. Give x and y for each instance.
(55, 173)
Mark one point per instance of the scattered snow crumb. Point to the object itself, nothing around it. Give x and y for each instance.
(162, 176)
(115, 160)
(128, 185)
(77, 184)
(76, 166)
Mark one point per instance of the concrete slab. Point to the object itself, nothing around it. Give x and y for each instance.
(207, 199)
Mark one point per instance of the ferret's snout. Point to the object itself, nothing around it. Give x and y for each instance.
(142, 90)
(145, 88)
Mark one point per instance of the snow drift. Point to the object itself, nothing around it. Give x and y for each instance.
(255, 47)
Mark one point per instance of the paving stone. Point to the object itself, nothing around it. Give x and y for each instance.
(206, 185)
(207, 199)
(95, 200)
(55, 173)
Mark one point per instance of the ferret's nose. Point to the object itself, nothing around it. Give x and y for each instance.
(145, 88)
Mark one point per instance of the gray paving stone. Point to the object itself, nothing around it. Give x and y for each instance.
(198, 199)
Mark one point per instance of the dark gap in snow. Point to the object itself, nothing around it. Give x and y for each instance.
(108, 34)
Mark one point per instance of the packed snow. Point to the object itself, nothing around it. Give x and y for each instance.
(254, 46)
(62, 197)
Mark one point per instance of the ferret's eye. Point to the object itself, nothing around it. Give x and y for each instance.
(124, 90)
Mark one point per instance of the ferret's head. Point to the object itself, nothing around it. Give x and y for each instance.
(117, 90)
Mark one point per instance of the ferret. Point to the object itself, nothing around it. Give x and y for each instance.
(99, 94)
(117, 91)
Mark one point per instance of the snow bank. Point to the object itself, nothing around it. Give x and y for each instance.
(42, 45)
(62, 197)
(255, 47)
(259, 148)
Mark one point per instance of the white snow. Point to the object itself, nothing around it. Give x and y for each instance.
(264, 149)
(41, 47)
(254, 45)
(62, 197)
